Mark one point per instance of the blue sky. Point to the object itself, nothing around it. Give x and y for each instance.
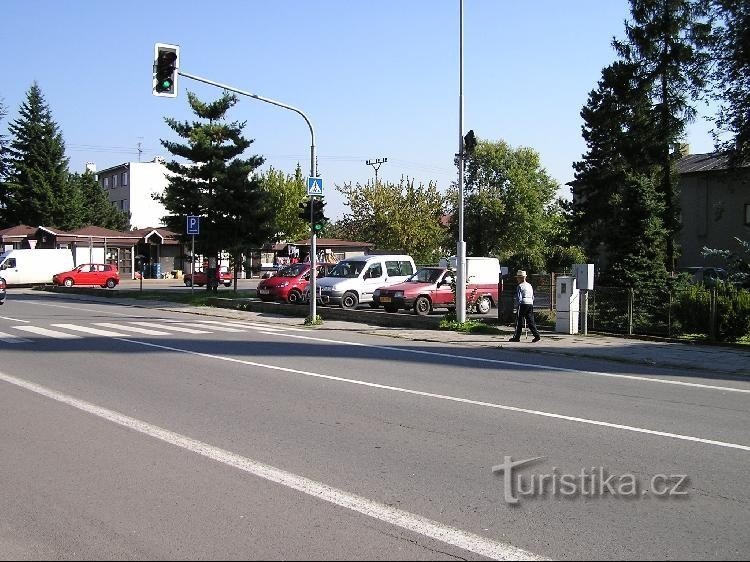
(377, 79)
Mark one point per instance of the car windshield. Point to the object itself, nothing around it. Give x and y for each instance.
(348, 269)
(426, 275)
(293, 270)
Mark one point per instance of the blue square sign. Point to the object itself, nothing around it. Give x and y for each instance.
(193, 225)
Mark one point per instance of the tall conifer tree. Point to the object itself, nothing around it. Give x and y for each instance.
(216, 184)
(37, 191)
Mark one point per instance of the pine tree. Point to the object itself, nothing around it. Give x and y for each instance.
(96, 209)
(4, 170)
(665, 45)
(216, 185)
(617, 207)
(731, 76)
(37, 192)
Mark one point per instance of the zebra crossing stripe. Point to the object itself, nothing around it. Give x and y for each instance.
(134, 329)
(170, 327)
(49, 333)
(10, 338)
(90, 330)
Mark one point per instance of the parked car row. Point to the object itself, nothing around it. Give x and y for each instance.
(391, 281)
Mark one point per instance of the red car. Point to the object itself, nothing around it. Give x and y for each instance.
(199, 278)
(102, 274)
(290, 283)
(430, 288)
(2, 290)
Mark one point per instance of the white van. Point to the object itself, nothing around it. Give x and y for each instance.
(26, 267)
(353, 280)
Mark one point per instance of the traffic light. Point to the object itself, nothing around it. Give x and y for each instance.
(304, 212)
(166, 64)
(470, 142)
(319, 219)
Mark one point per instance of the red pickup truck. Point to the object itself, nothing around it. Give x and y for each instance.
(199, 278)
(430, 288)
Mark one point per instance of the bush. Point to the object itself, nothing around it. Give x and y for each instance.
(733, 308)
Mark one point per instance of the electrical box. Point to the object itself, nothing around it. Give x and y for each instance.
(567, 299)
(584, 274)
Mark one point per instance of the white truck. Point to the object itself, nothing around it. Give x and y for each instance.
(27, 267)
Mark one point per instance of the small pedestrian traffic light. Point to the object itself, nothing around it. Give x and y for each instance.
(166, 65)
(319, 219)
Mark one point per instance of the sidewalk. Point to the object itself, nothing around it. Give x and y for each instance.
(704, 360)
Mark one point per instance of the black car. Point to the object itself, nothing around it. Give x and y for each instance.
(2, 290)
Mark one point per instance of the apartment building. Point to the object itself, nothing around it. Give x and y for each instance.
(130, 187)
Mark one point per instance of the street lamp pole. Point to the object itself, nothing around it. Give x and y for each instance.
(376, 166)
(313, 256)
(461, 249)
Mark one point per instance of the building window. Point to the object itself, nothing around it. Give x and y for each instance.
(747, 214)
(124, 179)
(114, 180)
(106, 182)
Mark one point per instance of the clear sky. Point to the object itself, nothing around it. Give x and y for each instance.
(377, 79)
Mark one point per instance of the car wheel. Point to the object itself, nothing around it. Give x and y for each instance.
(228, 284)
(188, 283)
(349, 301)
(68, 282)
(111, 283)
(422, 306)
(484, 305)
(294, 296)
(390, 308)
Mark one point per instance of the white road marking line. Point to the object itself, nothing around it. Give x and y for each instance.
(170, 327)
(469, 401)
(10, 338)
(409, 521)
(529, 365)
(15, 319)
(77, 308)
(134, 329)
(49, 333)
(241, 326)
(218, 327)
(90, 330)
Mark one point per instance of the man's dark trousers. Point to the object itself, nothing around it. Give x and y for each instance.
(525, 311)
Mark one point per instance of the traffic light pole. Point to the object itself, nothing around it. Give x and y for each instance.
(313, 255)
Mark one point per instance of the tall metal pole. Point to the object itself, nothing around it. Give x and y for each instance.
(461, 249)
(313, 246)
(313, 257)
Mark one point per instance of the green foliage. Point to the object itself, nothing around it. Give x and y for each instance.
(508, 199)
(36, 191)
(731, 76)
(738, 266)
(449, 322)
(399, 217)
(93, 205)
(317, 321)
(285, 193)
(215, 184)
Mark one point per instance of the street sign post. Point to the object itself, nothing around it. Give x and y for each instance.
(314, 187)
(193, 229)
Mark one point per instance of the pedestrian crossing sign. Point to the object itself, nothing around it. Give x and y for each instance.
(315, 186)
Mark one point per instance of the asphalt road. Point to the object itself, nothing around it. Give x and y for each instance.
(260, 440)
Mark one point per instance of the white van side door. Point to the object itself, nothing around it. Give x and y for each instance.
(373, 277)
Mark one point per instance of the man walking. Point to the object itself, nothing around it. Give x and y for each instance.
(525, 298)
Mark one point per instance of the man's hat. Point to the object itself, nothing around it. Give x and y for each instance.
(520, 273)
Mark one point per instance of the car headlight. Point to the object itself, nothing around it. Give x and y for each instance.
(284, 284)
(376, 293)
(398, 294)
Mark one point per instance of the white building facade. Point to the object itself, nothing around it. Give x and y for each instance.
(131, 186)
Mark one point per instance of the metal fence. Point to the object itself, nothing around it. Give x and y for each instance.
(665, 312)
